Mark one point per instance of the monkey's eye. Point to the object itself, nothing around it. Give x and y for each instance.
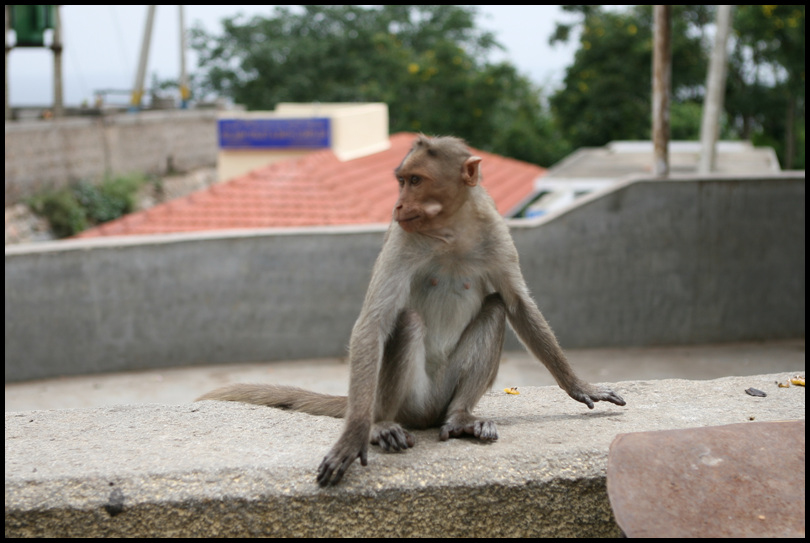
(415, 180)
(400, 180)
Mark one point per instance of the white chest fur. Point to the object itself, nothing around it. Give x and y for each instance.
(447, 301)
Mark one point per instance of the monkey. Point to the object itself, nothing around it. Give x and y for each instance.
(428, 341)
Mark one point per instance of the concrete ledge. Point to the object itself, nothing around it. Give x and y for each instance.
(224, 469)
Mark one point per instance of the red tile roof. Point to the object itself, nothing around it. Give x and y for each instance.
(314, 190)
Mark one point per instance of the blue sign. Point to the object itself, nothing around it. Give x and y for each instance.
(314, 133)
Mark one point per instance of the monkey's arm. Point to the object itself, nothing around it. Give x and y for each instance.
(535, 333)
(384, 300)
(365, 352)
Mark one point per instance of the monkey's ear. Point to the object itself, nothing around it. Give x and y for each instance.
(469, 171)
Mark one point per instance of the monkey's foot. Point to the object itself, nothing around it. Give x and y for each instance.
(391, 437)
(460, 424)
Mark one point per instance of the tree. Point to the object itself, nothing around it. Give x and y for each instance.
(606, 94)
(607, 91)
(428, 63)
(766, 94)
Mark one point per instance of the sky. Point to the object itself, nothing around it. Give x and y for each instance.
(102, 44)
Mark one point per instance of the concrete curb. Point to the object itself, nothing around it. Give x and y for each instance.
(223, 469)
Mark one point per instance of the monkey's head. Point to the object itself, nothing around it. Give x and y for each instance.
(435, 178)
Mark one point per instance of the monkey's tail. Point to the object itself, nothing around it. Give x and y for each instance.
(286, 397)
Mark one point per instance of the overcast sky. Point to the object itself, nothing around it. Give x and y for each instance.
(102, 44)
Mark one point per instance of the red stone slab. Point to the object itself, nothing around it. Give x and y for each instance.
(738, 480)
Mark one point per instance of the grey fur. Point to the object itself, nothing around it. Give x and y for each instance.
(428, 341)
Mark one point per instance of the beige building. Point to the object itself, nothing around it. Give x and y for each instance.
(250, 140)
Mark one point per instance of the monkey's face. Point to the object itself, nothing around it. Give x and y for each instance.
(434, 183)
(427, 199)
(418, 205)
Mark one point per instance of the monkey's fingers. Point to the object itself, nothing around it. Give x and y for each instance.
(448, 431)
(604, 394)
(335, 465)
(612, 397)
(393, 438)
(485, 430)
(593, 394)
(331, 471)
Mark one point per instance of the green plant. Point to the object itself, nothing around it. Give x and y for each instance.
(73, 209)
(65, 215)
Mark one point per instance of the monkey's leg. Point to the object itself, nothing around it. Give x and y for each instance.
(404, 353)
(473, 366)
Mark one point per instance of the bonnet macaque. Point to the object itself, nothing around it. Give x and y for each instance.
(428, 341)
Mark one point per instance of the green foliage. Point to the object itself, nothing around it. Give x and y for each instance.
(427, 62)
(64, 213)
(607, 92)
(766, 95)
(72, 209)
(684, 120)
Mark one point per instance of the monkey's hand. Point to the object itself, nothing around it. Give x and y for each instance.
(352, 444)
(587, 394)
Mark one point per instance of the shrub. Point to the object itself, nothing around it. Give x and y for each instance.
(72, 209)
(62, 211)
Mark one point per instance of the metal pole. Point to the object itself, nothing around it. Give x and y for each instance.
(184, 92)
(56, 47)
(137, 91)
(715, 91)
(8, 50)
(662, 77)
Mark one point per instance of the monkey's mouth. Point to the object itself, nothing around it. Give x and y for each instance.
(408, 224)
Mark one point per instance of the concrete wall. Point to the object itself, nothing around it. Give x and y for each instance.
(687, 260)
(644, 263)
(42, 154)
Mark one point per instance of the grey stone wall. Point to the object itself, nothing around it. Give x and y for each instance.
(689, 260)
(644, 263)
(43, 154)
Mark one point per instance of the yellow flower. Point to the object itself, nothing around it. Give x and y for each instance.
(794, 19)
(413, 68)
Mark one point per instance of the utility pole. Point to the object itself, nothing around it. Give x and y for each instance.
(137, 91)
(184, 92)
(56, 47)
(715, 91)
(662, 78)
(8, 48)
